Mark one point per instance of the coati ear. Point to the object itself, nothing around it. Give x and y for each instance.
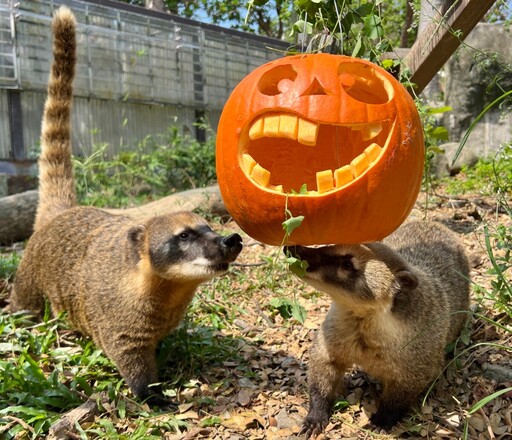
(407, 279)
(136, 236)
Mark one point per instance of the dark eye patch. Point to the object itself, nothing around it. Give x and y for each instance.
(345, 262)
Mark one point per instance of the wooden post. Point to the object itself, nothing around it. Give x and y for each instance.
(440, 39)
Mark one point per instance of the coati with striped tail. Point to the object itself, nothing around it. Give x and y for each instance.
(124, 284)
(396, 304)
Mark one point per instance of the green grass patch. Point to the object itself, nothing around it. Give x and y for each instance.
(490, 176)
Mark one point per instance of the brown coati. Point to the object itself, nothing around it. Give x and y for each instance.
(395, 306)
(124, 284)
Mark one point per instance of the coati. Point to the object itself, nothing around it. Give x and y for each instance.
(396, 304)
(124, 284)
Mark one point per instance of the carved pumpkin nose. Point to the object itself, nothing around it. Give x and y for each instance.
(315, 88)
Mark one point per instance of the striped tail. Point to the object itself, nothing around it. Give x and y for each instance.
(56, 177)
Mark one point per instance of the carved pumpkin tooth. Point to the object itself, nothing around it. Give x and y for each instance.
(256, 130)
(369, 131)
(342, 176)
(359, 165)
(324, 181)
(288, 125)
(307, 132)
(260, 175)
(372, 152)
(277, 188)
(248, 163)
(271, 126)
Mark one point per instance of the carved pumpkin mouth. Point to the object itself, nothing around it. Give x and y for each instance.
(286, 153)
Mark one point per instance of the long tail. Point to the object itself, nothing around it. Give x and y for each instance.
(56, 177)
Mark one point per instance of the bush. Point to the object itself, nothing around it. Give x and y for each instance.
(160, 165)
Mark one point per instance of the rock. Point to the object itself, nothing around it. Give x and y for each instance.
(475, 77)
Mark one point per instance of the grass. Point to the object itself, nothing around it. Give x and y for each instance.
(491, 176)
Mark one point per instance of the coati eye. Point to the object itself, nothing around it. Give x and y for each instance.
(346, 264)
(184, 236)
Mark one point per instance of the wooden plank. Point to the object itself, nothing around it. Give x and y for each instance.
(440, 39)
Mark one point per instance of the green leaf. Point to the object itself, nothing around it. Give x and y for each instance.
(438, 110)
(283, 305)
(297, 266)
(440, 133)
(211, 421)
(486, 400)
(289, 309)
(357, 47)
(435, 149)
(365, 9)
(292, 223)
(303, 26)
(388, 63)
(121, 409)
(299, 312)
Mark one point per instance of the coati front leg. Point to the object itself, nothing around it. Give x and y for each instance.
(137, 364)
(325, 379)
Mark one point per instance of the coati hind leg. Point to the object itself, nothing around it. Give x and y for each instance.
(26, 296)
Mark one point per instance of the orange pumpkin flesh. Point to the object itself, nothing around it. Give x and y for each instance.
(341, 127)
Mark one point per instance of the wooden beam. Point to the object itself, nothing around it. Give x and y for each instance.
(440, 39)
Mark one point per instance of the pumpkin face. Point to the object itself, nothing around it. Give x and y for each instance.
(333, 138)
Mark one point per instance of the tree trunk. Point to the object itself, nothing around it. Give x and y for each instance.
(17, 212)
(17, 215)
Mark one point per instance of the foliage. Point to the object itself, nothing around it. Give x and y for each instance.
(270, 17)
(434, 135)
(499, 248)
(363, 29)
(501, 12)
(264, 17)
(157, 167)
(489, 176)
(8, 265)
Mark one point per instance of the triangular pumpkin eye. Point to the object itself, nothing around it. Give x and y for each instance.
(269, 83)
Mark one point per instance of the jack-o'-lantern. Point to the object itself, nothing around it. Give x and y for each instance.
(335, 139)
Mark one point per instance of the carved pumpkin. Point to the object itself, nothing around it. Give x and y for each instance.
(341, 127)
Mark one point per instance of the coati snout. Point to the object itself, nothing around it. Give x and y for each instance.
(349, 272)
(184, 246)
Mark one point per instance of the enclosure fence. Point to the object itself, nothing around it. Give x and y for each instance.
(138, 72)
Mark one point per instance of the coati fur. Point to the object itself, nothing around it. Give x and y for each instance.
(122, 283)
(396, 304)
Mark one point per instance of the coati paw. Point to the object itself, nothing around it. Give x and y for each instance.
(313, 426)
(385, 420)
(161, 402)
